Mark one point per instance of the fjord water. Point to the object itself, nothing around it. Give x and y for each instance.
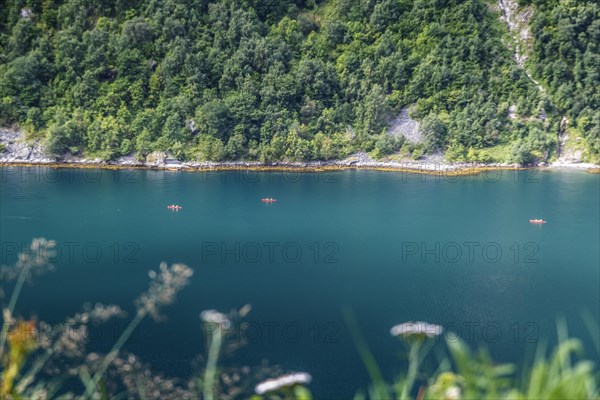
(391, 247)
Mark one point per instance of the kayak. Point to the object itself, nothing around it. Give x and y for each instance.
(268, 200)
(537, 221)
(174, 207)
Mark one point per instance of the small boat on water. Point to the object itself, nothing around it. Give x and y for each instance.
(174, 207)
(537, 221)
(268, 200)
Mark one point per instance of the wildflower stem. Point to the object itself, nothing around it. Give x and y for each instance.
(380, 388)
(211, 363)
(109, 358)
(27, 379)
(12, 303)
(413, 367)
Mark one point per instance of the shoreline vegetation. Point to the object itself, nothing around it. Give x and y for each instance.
(351, 163)
(16, 150)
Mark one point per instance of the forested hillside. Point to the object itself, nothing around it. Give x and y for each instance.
(296, 80)
(566, 60)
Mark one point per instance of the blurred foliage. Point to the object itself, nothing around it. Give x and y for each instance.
(41, 360)
(562, 373)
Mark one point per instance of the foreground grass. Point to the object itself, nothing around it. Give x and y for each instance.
(30, 352)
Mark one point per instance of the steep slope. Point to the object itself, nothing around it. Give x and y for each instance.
(565, 59)
(560, 22)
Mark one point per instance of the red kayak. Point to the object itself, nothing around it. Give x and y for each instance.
(268, 200)
(537, 221)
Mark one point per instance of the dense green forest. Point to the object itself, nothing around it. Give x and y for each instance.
(296, 80)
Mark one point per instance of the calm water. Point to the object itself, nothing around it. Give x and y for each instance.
(392, 247)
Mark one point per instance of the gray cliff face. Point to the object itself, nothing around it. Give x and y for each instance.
(518, 19)
(518, 25)
(17, 149)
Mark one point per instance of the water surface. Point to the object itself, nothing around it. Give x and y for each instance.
(392, 247)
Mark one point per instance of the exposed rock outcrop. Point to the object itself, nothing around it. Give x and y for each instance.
(518, 19)
(17, 149)
(518, 24)
(26, 13)
(404, 125)
(156, 158)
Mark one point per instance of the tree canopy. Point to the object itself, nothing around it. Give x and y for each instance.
(293, 79)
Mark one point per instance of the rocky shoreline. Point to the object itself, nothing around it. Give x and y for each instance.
(18, 152)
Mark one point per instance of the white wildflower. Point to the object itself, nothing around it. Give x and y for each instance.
(69, 338)
(164, 286)
(215, 317)
(101, 313)
(419, 328)
(34, 260)
(245, 310)
(134, 374)
(71, 341)
(272, 385)
(452, 393)
(7, 316)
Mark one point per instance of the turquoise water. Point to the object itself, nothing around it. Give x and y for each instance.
(391, 247)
